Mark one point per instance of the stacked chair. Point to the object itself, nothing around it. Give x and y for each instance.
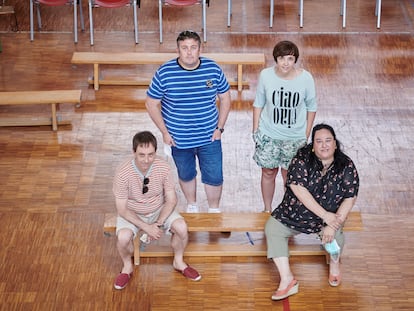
(114, 4)
(75, 4)
(204, 4)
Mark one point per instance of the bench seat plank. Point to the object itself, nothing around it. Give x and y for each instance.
(221, 222)
(40, 97)
(133, 58)
(303, 245)
(53, 98)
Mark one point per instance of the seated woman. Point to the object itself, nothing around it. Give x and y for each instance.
(321, 190)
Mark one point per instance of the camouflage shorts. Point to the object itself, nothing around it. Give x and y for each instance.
(274, 153)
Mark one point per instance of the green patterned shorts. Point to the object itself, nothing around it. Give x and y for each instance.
(274, 153)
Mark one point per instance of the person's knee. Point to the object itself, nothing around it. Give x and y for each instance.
(125, 236)
(270, 173)
(268, 227)
(179, 227)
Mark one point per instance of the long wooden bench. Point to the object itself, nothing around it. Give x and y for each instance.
(133, 58)
(52, 98)
(245, 225)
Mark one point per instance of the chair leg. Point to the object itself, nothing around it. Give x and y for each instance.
(229, 8)
(81, 15)
(15, 22)
(272, 8)
(90, 21)
(75, 21)
(160, 17)
(39, 18)
(343, 11)
(378, 13)
(204, 21)
(31, 21)
(135, 21)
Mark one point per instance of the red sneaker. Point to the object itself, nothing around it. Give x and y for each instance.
(122, 280)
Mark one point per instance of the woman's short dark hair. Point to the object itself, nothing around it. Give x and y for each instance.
(284, 48)
(144, 138)
(188, 34)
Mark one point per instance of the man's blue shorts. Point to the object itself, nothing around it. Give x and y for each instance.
(210, 160)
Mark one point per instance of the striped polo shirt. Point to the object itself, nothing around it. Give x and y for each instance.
(128, 183)
(188, 100)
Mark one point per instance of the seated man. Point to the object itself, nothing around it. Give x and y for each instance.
(145, 199)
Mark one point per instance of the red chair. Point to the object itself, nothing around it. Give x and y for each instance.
(114, 4)
(75, 4)
(203, 3)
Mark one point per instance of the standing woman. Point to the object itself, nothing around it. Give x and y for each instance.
(321, 189)
(283, 113)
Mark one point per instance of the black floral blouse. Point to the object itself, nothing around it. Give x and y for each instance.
(329, 191)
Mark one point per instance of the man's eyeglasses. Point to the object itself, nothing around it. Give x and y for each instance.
(145, 187)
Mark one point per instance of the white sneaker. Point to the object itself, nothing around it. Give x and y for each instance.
(214, 210)
(192, 208)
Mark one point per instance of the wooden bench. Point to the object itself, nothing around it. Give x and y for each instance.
(98, 58)
(53, 98)
(220, 223)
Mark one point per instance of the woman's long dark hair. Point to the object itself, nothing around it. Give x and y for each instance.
(340, 158)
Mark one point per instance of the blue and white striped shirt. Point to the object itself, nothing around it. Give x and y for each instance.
(188, 100)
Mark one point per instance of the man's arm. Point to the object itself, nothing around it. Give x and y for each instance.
(154, 110)
(169, 206)
(126, 213)
(224, 110)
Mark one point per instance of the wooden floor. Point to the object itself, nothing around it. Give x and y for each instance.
(55, 187)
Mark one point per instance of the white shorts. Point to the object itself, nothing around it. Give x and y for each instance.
(122, 223)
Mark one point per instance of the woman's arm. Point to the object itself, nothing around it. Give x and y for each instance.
(345, 208)
(328, 233)
(256, 116)
(303, 195)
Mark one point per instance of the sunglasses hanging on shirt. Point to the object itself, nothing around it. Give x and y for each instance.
(144, 186)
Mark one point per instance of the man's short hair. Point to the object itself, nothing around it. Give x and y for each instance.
(144, 138)
(188, 34)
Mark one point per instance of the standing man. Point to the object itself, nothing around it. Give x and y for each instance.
(181, 100)
(145, 199)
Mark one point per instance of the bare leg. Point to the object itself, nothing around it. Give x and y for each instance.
(284, 177)
(268, 184)
(179, 241)
(213, 194)
(286, 276)
(334, 267)
(125, 247)
(189, 189)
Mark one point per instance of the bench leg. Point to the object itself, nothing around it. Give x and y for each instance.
(96, 76)
(239, 77)
(137, 243)
(54, 117)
